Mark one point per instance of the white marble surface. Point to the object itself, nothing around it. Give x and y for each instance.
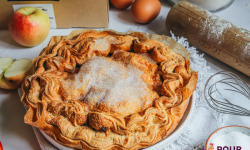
(14, 134)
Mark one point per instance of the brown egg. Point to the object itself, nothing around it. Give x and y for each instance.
(144, 11)
(121, 4)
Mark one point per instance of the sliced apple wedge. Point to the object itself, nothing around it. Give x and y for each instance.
(5, 63)
(13, 72)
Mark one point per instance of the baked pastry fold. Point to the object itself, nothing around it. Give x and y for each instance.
(108, 90)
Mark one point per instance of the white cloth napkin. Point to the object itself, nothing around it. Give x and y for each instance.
(204, 120)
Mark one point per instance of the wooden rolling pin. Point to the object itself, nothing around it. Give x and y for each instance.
(207, 32)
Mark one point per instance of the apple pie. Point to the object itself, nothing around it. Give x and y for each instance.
(108, 90)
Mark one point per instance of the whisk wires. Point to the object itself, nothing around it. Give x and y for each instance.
(232, 83)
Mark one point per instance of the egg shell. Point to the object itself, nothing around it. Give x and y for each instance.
(144, 11)
(121, 4)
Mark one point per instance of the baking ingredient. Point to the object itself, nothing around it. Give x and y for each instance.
(211, 5)
(117, 83)
(29, 26)
(144, 11)
(232, 139)
(121, 4)
(13, 72)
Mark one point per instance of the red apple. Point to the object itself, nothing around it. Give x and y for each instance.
(29, 26)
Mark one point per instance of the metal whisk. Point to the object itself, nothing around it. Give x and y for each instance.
(222, 82)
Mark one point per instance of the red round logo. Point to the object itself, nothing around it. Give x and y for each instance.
(1, 146)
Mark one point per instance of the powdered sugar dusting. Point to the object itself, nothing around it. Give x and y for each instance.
(101, 44)
(103, 80)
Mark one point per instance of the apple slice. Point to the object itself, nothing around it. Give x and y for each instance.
(5, 63)
(13, 72)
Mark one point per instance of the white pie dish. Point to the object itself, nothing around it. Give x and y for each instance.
(169, 139)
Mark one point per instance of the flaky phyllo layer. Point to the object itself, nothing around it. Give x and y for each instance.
(107, 90)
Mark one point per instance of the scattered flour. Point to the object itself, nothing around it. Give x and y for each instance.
(232, 139)
(214, 27)
(246, 50)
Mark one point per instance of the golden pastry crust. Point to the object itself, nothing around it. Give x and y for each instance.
(108, 90)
